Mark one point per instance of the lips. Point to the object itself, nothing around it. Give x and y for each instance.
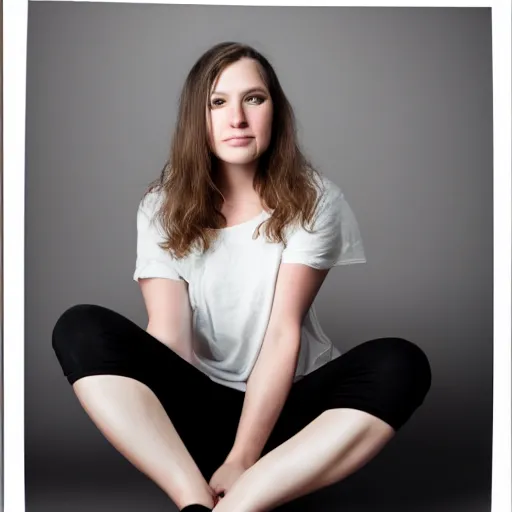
(240, 137)
(239, 141)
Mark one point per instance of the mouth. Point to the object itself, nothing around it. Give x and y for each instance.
(244, 137)
(239, 141)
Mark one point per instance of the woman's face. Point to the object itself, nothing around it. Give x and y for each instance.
(240, 114)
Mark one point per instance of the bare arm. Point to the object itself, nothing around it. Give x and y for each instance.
(169, 313)
(272, 376)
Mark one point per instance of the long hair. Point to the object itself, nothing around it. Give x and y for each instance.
(190, 211)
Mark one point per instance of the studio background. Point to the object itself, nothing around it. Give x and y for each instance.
(392, 104)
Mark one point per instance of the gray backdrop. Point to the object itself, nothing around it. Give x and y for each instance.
(393, 104)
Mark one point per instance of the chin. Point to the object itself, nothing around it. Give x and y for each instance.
(238, 160)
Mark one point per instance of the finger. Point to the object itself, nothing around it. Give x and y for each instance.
(219, 492)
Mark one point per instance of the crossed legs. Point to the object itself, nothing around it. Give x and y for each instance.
(345, 434)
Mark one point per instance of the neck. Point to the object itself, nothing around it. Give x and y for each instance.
(236, 181)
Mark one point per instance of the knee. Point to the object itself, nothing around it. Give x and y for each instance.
(406, 365)
(71, 326)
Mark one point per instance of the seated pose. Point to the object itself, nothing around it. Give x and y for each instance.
(233, 398)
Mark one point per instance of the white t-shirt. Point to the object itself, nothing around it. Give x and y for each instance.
(231, 286)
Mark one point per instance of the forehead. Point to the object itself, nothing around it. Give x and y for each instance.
(240, 75)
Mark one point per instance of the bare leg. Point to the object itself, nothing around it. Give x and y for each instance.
(330, 448)
(133, 420)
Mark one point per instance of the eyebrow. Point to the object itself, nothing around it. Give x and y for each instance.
(247, 91)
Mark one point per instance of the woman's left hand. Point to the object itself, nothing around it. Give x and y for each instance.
(224, 478)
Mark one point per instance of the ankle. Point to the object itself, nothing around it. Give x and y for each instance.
(204, 500)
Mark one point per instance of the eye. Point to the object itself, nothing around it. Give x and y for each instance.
(215, 103)
(259, 99)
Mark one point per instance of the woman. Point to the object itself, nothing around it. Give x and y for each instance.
(233, 398)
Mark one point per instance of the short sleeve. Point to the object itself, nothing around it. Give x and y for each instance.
(152, 260)
(334, 239)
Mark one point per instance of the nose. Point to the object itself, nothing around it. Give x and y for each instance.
(238, 118)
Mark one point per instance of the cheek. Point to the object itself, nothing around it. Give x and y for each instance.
(215, 128)
(265, 126)
(209, 129)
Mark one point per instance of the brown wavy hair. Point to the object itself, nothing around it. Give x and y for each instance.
(190, 211)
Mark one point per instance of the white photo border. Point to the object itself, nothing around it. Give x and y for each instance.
(13, 202)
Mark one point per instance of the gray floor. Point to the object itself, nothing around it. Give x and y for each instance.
(127, 490)
(134, 500)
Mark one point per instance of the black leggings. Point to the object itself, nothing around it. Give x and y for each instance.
(387, 377)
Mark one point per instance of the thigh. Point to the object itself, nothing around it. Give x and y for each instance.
(386, 377)
(90, 339)
(94, 340)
